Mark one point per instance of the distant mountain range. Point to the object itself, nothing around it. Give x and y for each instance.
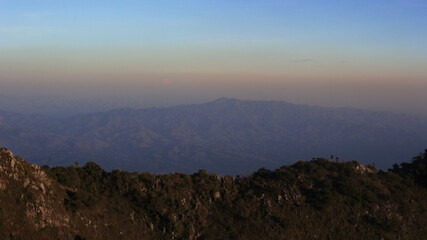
(228, 136)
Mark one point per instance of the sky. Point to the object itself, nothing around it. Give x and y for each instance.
(364, 54)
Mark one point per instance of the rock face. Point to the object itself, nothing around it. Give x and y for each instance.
(361, 169)
(28, 197)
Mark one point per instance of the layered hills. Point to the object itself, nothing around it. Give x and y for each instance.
(319, 199)
(228, 136)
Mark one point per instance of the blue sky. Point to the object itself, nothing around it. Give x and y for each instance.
(73, 23)
(218, 44)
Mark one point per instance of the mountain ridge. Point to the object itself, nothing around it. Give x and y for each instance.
(316, 199)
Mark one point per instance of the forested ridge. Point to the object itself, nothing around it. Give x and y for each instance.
(318, 199)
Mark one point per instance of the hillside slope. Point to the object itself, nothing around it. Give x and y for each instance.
(319, 199)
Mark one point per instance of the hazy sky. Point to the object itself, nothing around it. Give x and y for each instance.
(368, 54)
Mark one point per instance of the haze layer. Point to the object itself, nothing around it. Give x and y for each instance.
(369, 54)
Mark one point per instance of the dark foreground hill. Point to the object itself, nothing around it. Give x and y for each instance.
(319, 199)
(228, 136)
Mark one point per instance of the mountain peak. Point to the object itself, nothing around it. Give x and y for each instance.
(223, 100)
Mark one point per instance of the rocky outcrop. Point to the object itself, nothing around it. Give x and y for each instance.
(362, 169)
(39, 197)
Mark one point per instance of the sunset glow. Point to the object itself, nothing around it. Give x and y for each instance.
(369, 54)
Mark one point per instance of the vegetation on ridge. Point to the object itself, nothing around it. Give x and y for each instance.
(319, 199)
